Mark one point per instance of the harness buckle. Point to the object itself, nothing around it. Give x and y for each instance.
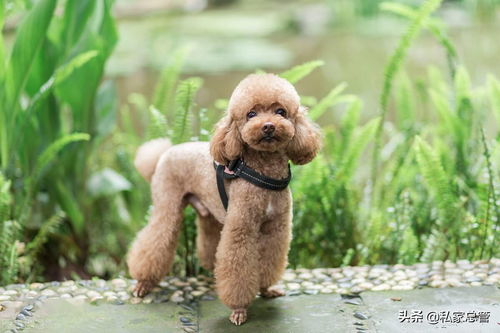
(232, 164)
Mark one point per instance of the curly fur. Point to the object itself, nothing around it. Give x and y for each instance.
(247, 246)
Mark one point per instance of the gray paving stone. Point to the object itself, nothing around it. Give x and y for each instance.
(384, 311)
(371, 312)
(318, 313)
(82, 317)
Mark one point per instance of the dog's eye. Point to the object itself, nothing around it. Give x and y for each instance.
(251, 114)
(281, 112)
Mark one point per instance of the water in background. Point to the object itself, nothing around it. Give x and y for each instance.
(230, 42)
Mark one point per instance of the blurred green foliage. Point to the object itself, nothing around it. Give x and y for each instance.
(422, 186)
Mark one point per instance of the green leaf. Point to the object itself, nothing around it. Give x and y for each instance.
(184, 102)
(69, 204)
(82, 83)
(106, 107)
(53, 149)
(77, 14)
(76, 62)
(29, 39)
(297, 73)
(60, 75)
(328, 101)
(5, 198)
(2, 49)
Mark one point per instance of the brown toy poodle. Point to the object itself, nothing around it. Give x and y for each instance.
(247, 245)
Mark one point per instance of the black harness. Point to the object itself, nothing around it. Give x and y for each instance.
(238, 169)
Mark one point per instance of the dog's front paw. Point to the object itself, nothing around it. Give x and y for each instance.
(143, 287)
(238, 317)
(271, 292)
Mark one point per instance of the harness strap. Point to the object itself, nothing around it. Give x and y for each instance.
(219, 169)
(237, 168)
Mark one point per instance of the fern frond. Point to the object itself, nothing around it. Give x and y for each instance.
(184, 101)
(435, 27)
(492, 203)
(297, 73)
(392, 67)
(165, 87)
(452, 123)
(438, 183)
(405, 106)
(327, 101)
(47, 228)
(361, 139)
(157, 127)
(347, 125)
(9, 233)
(435, 247)
(494, 96)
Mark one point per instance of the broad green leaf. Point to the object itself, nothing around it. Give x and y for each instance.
(297, 73)
(29, 39)
(76, 15)
(69, 204)
(81, 85)
(61, 74)
(67, 69)
(106, 106)
(2, 49)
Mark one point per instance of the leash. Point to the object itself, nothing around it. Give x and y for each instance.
(238, 169)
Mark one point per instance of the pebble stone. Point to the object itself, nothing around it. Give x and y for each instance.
(342, 280)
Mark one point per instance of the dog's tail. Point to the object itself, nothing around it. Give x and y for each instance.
(147, 156)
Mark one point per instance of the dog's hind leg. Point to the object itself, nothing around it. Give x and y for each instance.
(274, 243)
(209, 230)
(153, 251)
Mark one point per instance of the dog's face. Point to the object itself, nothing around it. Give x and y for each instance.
(264, 114)
(267, 127)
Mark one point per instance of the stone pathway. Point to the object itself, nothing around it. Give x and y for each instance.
(365, 298)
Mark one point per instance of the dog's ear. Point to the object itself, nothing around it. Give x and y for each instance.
(306, 141)
(226, 144)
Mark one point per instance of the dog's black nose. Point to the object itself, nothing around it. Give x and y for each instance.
(268, 128)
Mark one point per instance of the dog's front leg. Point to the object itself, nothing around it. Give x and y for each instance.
(236, 270)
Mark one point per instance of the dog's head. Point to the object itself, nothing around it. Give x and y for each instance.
(264, 114)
